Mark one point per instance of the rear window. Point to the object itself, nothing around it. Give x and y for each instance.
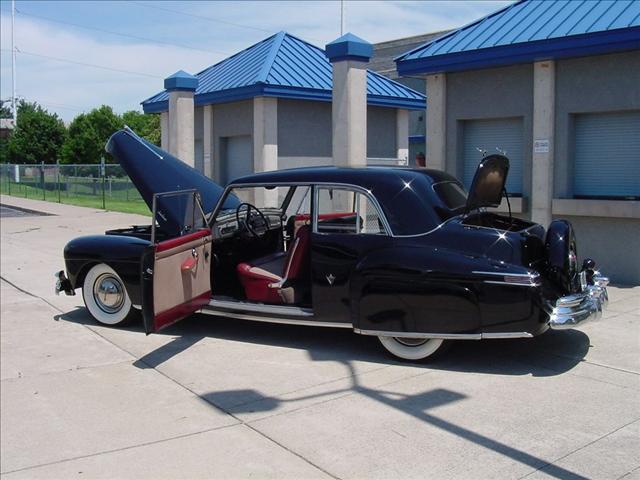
(452, 194)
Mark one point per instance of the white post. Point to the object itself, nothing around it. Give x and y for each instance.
(543, 141)
(436, 121)
(14, 107)
(207, 141)
(181, 87)
(349, 55)
(402, 136)
(265, 142)
(164, 131)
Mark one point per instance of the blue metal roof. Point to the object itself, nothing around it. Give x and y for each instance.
(283, 66)
(529, 31)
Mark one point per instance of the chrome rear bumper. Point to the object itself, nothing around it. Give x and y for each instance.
(572, 310)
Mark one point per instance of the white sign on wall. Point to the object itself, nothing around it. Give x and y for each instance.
(541, 146)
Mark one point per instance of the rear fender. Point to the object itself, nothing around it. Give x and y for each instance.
(415, 289)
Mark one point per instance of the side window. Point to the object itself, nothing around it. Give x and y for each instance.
(341, 210)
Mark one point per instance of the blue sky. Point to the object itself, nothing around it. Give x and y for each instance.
(159, 37)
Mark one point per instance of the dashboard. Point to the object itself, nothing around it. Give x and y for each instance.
(226, 225)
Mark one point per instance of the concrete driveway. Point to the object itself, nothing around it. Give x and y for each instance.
(221, 398)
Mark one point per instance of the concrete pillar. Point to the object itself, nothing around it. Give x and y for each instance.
(207, 140)
(402, 135)
(436, 142)
(164, 131)
(265, 142)
(349, 55)
(543, 141)
(181, 87)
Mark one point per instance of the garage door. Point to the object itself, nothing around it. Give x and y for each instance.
(503, 133)
(238, 159)
(607, 155)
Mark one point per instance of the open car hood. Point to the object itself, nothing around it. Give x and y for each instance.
(488, 183)
(152, 170)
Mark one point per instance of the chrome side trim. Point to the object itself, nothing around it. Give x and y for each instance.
(445, 336)
(275, 310)
(286, 321)
(502, 274)
(511, 284)
(512, 279)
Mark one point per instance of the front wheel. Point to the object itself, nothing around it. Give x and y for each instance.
(106, 297)
(413, 348)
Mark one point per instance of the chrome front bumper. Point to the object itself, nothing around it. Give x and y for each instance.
(572, 310)
(63, 284)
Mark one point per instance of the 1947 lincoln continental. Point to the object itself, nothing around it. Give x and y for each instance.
(403, 254)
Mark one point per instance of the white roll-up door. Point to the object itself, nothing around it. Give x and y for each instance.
(503, 133)
(607, 154)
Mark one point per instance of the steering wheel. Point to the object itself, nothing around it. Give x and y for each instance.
(247, 220)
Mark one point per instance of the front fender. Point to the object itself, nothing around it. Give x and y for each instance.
(122, 253)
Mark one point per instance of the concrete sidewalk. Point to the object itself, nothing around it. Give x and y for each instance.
(222, 398)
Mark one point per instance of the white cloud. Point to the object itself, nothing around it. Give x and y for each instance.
(76, 86)
(58, 84)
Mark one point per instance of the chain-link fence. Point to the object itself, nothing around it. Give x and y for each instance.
(99, 186)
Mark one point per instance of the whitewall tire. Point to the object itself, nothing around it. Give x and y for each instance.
(413, 348)
(106, 297)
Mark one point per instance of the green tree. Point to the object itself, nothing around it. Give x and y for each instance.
(87, 135)
(5, 112)
(144, 124)
(37, 137)
(5, 109)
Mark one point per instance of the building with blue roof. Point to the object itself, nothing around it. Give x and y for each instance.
(285, 84)
(555, 84)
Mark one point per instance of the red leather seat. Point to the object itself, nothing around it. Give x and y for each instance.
(264, 279)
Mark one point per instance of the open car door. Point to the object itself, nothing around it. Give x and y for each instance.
(176, 271)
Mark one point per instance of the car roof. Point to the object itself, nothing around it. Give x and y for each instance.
(405, 194)
(360, 176)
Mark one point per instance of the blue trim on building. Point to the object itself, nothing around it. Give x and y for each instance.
(574, 46)
(417, 138)
(349, 47)
(294, 93)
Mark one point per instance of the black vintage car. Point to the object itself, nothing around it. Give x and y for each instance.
(403, 254)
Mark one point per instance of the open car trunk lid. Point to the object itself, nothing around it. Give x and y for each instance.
(152, 170)
(488, 182)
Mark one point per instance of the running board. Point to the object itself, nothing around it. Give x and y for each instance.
(267, 313)
(247, 307)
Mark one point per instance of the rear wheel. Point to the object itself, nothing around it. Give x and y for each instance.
(413, 348)
(106, 297)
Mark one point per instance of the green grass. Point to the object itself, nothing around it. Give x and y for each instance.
(81, 195)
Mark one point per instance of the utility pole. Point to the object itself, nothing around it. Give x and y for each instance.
(13, 64)
(343, 18)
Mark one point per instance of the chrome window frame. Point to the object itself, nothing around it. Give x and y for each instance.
(314, 200)
(356, 189)
(174, 193)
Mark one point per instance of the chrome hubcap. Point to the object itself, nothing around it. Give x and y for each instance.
(411, 342)
(108, 293)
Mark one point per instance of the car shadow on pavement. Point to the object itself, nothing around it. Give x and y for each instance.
(418, 405)
(552, 353)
